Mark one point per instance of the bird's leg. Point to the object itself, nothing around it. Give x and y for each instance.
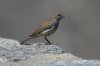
(47, 40)
(22, 43)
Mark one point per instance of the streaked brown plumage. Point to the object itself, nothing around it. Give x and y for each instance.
(47, 28)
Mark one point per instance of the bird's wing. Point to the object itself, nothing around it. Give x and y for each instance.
(46, 25)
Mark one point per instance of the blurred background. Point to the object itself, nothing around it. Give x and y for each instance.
(79, 35)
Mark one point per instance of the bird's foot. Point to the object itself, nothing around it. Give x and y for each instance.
(48, 43)
(26, 44)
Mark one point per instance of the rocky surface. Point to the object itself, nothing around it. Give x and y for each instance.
(38, 54)
(12, 50)
(66, 63)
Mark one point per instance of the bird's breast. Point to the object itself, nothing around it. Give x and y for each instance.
(51, 30)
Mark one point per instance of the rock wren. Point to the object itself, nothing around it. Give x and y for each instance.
(47, 28)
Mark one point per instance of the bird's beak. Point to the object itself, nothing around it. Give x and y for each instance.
(62, 16)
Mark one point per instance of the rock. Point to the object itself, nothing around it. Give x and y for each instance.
(70, 63)
(8, 43)
(38, 54)
(45, 58)
(13, 51)
(55, 63)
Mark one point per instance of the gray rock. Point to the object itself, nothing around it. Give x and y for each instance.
(71, 63)
(38, 54)
(12, 50)
(56, 63)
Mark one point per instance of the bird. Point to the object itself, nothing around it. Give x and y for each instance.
(47, 28)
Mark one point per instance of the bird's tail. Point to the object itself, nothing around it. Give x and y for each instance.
(26, 40)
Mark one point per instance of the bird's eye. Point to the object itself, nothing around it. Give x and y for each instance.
(59, 15)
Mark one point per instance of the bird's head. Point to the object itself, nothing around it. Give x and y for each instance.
(58, 16)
